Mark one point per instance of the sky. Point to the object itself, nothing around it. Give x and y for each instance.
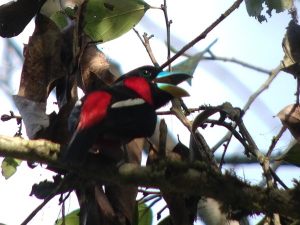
(239, 36)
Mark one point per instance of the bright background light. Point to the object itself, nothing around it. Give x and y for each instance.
(239, 36)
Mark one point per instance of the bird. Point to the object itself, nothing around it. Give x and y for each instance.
(121, 112)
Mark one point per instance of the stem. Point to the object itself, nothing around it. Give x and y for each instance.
(50, 196)
(168, 25)
(239, 62)
(262, 88)
(275, 140)
(235, 5)
(145, 41)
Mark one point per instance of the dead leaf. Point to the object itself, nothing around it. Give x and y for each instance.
(290, 117)
(94, 206)
(123, 200)
(104, 203)
(95, 69)
(183, 209)
(291, 48)
(33, 114)
(15, 15)
(43, 63)
(123, 197)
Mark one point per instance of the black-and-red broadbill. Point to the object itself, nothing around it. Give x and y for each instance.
(123, 111)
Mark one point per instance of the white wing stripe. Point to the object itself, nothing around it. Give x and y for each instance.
(128, 102)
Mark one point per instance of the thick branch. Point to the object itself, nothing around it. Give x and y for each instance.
(42, 151)
(195, 179)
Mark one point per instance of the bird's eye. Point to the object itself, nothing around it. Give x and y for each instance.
(146, 73)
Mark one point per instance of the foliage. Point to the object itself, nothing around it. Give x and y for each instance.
(292, 155)
(255, 8)
(9, 166)
(70, 219)
(107, 20)
(143, 215)
(62, 55)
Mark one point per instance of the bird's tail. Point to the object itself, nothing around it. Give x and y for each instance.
(78, 148)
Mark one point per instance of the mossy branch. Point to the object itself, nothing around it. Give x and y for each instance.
(195, 179)
(42, 151)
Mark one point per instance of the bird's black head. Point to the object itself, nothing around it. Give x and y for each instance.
(147, 72)
(155, 86)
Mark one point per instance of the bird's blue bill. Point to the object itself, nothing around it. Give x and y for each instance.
(174, 78)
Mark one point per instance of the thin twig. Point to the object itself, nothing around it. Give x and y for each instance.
(147, 198)
(297, 91)
(203, 148)
(160, 212)
(276, 178)
(207, 49)
(234, 6)
(154, 202)
(275, 140)
(225, 150)
(263, 160)
(168, 112)
(263, 87)
(251, 99)
(168, 26)
(63, 212)
(239, 62)
(46, 200)
(145, 41)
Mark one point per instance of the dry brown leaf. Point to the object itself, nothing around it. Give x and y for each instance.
(291, 48)
(95, 69)
(43, 63)
(123, 197)
(123, 200)
(182, 209)
(290, 117)
(104, 204)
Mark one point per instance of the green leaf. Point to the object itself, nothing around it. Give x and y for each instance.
(108, 19)
(255, 7)
(278, 5)
(165, 221)
(292, 155)
(189, 65)
(143, 215)
(9, 166)
(70, 219)
(60, 19)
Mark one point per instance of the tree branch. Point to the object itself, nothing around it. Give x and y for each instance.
(195, 179)
(234, 6)
(237, 61)
(146, 42)
(42, 151)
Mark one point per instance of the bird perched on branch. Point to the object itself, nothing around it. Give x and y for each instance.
(123, 111)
